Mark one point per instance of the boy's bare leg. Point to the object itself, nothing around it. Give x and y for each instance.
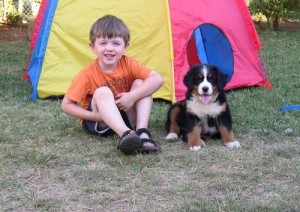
(143, 108)
(139, 116)
(104, 102)
(143, 111)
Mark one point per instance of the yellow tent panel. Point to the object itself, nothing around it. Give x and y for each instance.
(68, 49)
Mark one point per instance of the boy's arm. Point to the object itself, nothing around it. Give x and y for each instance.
(71, 108)
(152, 83)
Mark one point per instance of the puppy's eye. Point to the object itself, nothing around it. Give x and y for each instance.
(211, 78)
(200, 78)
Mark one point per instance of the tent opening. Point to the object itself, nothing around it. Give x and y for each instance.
(208, 44)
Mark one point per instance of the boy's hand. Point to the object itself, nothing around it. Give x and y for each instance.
(124, 101)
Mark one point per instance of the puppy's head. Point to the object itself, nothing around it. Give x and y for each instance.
(205, 81)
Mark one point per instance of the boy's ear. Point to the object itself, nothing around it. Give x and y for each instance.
(92, 46)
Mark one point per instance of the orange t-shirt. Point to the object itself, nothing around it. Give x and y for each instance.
(92, 77)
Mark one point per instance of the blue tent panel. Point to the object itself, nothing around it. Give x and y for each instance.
(38, 55)
(215, 48)
(200, 46)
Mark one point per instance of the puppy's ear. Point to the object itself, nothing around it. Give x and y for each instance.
(188, 78)
(222, 80)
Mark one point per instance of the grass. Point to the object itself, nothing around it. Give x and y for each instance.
(47, 163)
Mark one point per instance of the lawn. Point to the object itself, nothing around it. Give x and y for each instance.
(47, 163)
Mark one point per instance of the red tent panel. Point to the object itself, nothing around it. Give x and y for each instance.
(233, 18)
(34, 34)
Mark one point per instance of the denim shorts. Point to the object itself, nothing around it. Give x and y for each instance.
(91, 127)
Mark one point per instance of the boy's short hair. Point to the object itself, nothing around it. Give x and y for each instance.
(109, 26)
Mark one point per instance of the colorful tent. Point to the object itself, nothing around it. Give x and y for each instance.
(167, 36)
(34, 34)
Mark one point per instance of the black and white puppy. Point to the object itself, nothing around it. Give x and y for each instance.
(204, 112)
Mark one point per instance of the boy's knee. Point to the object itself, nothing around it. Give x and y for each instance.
(104, 90)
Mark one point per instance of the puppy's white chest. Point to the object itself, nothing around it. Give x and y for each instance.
(212, 109)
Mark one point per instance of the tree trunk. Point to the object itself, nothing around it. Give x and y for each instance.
(275, 24)
(20, 11)
(4, 10)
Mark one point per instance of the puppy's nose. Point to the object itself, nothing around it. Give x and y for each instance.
(205, 89)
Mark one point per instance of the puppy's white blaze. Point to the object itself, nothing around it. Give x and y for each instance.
(234, 144)
(205, 83)
(195, 148)
(172, 136)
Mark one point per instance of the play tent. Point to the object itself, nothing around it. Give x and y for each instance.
(167, 36)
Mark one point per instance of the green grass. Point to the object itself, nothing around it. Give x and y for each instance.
(47, 163)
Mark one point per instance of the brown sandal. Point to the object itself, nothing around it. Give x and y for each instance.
(147, 149)
(129, 143)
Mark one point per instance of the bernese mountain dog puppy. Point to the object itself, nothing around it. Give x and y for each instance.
(204, 112)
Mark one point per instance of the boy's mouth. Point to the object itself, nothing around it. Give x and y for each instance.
(109, 56)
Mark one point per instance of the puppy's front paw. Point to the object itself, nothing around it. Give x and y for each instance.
(234, 144)
(202, 143)
(195, 148)
(172, 136)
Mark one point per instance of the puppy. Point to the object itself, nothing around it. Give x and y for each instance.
(204, 112)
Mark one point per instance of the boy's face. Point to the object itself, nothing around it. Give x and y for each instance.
(109, 51)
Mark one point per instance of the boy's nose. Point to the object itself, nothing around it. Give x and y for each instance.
(109, 46)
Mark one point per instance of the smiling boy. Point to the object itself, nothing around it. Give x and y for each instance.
(114, 92)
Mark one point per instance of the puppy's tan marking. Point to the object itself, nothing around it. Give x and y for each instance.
(194, 139)
(226, 135)
(228, 138)
(174, 127)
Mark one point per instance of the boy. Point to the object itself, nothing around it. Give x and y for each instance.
(114, 90)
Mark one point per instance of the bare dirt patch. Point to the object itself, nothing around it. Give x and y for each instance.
(283, 25)
(13, 33)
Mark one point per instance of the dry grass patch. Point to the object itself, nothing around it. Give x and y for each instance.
(47, 163)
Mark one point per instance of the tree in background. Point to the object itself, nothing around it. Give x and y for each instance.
(10, 12)
(293, 10)
(274, 10)
(2, 10)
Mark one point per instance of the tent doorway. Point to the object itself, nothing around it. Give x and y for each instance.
(208, 44)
